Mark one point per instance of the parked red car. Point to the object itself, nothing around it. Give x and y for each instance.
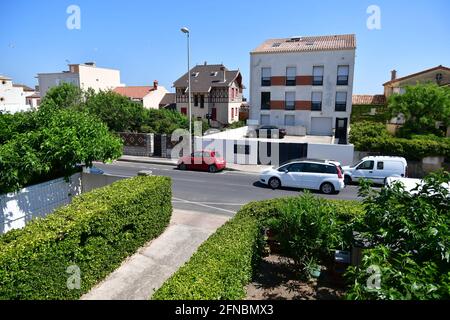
(204, 160)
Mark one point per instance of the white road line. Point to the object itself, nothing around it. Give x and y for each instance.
(212, 203)
(204, 205)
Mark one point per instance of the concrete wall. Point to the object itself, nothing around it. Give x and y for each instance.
(20, 207)
(304, 62)
(338, 152)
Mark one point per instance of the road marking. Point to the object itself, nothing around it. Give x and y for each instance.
(212, 203)
(204, 205)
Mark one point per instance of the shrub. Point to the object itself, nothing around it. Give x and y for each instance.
(221, 267)
(96, 232)
(224, 264)
(410, 234)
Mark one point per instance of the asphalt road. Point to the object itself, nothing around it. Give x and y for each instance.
(216, 193)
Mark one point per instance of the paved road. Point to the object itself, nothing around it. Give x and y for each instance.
(219, 193)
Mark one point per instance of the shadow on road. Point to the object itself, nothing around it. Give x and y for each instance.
(258, 184)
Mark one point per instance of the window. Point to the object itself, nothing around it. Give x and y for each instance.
(241, 149)
(366, 165)
(232, 112)
(289, 120)
(330, 169)
(296, 167)
(289, 101)
(265, 100)
(202, 101)
(314, 168)
(265, 77)
(195, 100)
(316, 101)
(317, 76)
(342, 75)
(341, 101)
(291, 73)
(265, 119)
(380, 165)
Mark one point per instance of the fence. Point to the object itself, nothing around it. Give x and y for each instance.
(138, 144)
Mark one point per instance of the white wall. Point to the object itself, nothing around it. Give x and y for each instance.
(98, 78)
(50, 80)
(153, 99)
(12, 99)
(304, 62)
(20, 207)
(338, 152)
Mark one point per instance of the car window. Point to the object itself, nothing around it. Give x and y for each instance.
(313, 168)
(217, 154)
(330, 169)
(283, 168)
(380, 165)
(366, 165)
(296, 167)
(206, 154)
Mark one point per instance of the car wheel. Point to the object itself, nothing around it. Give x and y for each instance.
(212, 168)
(327, 188)
(274, 183)
(182, 166)
(347, 180)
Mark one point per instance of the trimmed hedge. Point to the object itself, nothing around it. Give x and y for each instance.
(96, 232)
(225, 263)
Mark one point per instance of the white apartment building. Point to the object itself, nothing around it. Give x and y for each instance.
(216, 92)
(84, 76)
(13, 98)
(303, 84)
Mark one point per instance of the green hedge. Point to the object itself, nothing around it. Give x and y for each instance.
(362, 113)
(225, 263)
(96, 232)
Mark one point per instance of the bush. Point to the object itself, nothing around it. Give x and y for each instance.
(410, 236)
(367, 136)
(224, 264)
(221, 267)
(96, 232)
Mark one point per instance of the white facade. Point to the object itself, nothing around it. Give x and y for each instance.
(12, 99)
(153, 99)
(83, 76)
(315, 122)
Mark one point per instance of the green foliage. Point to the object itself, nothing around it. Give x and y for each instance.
(225, 263)
(422, 105)
(410, 234)
(363, 113)
(64, 96)
(221, 267)
(52, 146)
(96, 232)
(237, 124)
(373, 137)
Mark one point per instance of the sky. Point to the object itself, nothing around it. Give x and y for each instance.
(143, 39)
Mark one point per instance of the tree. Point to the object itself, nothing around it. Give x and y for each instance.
(423, 105)
(65, 95)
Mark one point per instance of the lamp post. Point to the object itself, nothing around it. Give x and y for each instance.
(186, 31)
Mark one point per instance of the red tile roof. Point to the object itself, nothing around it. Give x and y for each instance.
(315, 43)
(364, 99)
(137, 92)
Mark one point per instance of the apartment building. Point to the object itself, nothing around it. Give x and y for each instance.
(216, 92)
(84, 76)
(15, 97)
(303, 84)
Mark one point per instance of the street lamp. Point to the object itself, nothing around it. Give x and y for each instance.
(186, 31)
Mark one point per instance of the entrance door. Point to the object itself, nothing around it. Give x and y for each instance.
(184, 110)
(214, 114)
(341, 130)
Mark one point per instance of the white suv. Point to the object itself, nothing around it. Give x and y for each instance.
(323, 175)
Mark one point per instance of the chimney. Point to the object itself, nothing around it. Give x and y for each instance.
(393, 74)
(155, 85)
(222, 68)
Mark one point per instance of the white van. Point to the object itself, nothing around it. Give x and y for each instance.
(376, 169)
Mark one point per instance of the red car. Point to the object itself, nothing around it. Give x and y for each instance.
(204, 160)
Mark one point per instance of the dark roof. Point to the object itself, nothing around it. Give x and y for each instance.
(208, 76)
(365, 99)
(168, 98)
(440, 67)
(306, 44)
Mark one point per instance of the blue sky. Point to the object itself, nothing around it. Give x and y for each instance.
(143, 38)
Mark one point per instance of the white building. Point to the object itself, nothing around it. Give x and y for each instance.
(84, 76)
(149, 96)
(215, 91)
(13, 98)
(303, 84)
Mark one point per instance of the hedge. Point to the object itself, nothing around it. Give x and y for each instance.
(225, 263)
(95, 233)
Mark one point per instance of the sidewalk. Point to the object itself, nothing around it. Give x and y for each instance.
(250, 168)
(144, 272)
